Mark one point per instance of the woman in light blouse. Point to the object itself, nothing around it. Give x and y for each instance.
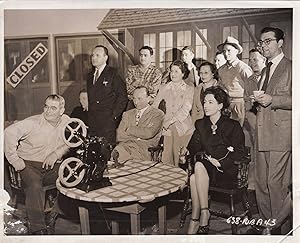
(178, 126)
(208, 76)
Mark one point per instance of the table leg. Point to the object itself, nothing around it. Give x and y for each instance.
(162, 219)
(84, 220)
(135, 221)
(115, 229)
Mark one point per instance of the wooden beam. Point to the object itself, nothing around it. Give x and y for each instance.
(202, 37)
(119, 45)
(249, 30)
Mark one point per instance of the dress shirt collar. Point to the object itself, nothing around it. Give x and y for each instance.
(234, 63)
(276, 59)
(143, 110)
(100, 69)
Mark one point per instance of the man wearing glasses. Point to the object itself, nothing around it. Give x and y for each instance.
(34, 147)
(274, 127)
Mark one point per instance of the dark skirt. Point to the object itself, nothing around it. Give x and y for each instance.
(226, 179)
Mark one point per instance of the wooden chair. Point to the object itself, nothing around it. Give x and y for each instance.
(17, 190)
(232, 193)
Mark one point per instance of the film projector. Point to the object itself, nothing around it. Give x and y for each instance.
(85, 170)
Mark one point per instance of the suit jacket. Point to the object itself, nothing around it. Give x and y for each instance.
(144, 135)
(274, 123)
(108, 95)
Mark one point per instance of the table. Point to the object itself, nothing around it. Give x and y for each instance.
(128, 194)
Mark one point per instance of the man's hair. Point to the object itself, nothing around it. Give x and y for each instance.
(58, 98)
(143, 87)
(189, 48)
(279, 34)
(219, 53)
(82, 91)
(147, 48)
(104, 48)
(253, 50)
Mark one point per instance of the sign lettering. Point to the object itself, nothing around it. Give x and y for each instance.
(27, 65)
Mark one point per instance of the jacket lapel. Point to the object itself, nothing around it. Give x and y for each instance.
(276, 75)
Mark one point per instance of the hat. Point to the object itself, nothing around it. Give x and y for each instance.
(231, 41)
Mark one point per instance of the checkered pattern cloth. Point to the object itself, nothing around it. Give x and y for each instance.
(157, 181)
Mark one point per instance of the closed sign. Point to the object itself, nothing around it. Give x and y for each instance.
(27, 65)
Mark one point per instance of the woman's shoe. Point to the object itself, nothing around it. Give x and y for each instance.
(203, 229)
(193, 226)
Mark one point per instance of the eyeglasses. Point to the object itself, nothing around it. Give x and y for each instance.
(266, 42)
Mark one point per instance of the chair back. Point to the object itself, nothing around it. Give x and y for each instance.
(15, 178)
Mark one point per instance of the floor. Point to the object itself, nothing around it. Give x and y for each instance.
(68, 224)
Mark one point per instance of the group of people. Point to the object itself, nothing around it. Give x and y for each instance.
(195, 110)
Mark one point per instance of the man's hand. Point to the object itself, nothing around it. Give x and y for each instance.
(50, 161)
(167, 124)
(19, 166)
(264, 100)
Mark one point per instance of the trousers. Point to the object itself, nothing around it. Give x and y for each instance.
(34, 177)
(273, 176)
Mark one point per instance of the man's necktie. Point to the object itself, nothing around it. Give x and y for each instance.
(137, 117)
(266, 81)
(96, 76)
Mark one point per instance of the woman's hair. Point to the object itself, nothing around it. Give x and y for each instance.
(182, 66)
(213, 68)
(221, 97)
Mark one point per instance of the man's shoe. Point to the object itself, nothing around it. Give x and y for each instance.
(50, 221)
(40, 232)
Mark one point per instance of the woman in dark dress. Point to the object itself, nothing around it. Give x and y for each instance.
(222, 140)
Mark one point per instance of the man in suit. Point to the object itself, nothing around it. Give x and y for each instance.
(140, 128)
(274, 126)
(107, 96)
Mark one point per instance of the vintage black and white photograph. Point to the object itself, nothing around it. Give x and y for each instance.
(149, 120)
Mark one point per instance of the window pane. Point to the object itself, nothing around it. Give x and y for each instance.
(226, 32)
(235, 32)
(66, 60)
(39, 74)
(165, 50)
(180, 39)
(162, 39)
(146, 39)
(201, 49)
(187, 38)
(169, 39)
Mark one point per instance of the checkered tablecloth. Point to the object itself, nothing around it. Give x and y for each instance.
(157, 181)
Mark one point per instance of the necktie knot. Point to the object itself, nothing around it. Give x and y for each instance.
(138, 117)
(96, 75)
(267, 77)
(269, 65)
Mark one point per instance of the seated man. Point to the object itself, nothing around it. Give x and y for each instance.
(33, 147)
(81, 112)
(140, 128)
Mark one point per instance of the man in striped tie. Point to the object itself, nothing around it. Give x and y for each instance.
(140, 128)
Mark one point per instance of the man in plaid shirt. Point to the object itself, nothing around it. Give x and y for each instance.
(143, 74)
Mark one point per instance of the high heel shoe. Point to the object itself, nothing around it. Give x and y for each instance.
(194, 224)
(203, 229)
